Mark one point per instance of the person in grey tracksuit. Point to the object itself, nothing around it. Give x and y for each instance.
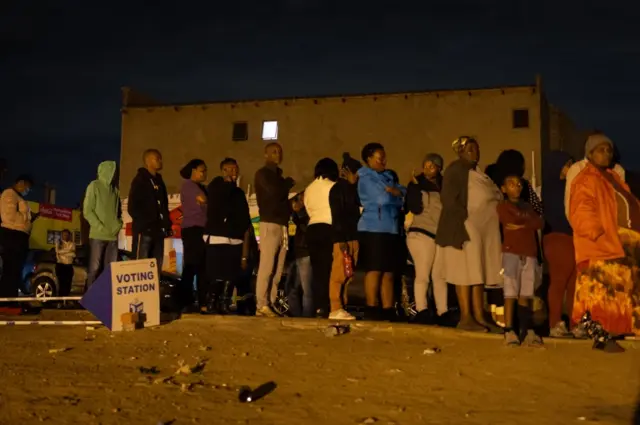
(423, 201)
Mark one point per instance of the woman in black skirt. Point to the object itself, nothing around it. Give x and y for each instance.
(381, 198)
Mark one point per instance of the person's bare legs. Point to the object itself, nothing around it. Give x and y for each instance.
(372, 288)
(467, 322)
(387, 291)
(479, 313)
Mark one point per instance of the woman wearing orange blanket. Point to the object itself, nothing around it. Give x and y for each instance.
(605, 217)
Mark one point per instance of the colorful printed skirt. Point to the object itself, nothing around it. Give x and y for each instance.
(610, 290)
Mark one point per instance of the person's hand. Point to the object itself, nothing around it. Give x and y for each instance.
(201, 199)
(414, 175)
(514, 226)
(394, 191)
(244, 263)
(344, 247)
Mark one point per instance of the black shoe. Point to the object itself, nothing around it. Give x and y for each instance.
(390, 315)
(372, 313)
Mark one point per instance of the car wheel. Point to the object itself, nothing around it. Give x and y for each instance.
(44, 287)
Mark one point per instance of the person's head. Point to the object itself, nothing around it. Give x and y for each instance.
(374, 156)
(195, 170)
(297, 202)
(66, 235)
(230, 170)
(349, 168)
(432, 165)
(511, 161)
(599, 150)
(23, 184)
(273, 153)
(512, 187)
(152, 159)
(468, 149)
(326, 168)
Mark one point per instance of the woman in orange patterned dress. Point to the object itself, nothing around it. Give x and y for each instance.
(605, 217)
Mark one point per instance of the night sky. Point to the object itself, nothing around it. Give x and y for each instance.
(62, 64)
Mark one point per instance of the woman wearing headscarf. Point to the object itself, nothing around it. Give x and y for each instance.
(423, 201)
(469, 233)
(319, 236)
(605, 217)
(381, 198)
(193, 199)
(558, 242)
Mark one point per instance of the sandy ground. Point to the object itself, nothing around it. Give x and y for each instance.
(378, 373)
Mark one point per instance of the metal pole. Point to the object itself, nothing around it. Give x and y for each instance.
(50, 322)
(44, 299)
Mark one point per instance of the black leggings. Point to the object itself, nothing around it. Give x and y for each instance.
(15, 247)
(193, 265)
(64, 273)
(320, 243)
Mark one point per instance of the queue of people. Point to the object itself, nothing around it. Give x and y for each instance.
(472, 229)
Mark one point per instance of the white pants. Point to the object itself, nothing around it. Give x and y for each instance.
(428, 264)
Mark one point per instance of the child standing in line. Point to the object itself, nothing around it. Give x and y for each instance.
(519, 261)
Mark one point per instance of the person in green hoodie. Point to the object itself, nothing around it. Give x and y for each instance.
(102, 211)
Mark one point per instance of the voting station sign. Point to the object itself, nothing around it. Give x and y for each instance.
(125, 287)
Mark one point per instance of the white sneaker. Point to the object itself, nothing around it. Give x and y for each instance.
(341, 314)
(266, 312)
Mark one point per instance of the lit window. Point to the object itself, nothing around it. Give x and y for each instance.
(270, 130)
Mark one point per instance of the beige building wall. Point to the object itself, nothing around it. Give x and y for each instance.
(409, 126)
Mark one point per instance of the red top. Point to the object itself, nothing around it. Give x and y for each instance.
(519, 241)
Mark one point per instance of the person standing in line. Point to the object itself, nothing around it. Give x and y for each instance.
(319, 237)
(226, 235)
(381, 198)
(423, 201)
(557, 243)
(193, 199)
(65, 254)
(101, 208)
(17, 221)
(149, 209)
(519, 262)
(469, 233)
(300, 288)
(345, 214)
(272, 195)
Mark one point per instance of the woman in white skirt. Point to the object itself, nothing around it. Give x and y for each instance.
(469, 233)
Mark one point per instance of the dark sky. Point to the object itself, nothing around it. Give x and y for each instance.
(62, 64)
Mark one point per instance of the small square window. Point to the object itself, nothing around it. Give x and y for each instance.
(240, 132)
(520, 118)
(270, 130)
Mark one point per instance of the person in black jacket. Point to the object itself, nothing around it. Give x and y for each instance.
(226, 234)
(149, 209)
(272, 195)
(300, 281)
(345, 214)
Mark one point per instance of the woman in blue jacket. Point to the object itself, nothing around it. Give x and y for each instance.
(381, 198)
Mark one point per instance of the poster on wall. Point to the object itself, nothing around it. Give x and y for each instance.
(56, 213)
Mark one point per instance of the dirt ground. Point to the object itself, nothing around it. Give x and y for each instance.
(378, 373)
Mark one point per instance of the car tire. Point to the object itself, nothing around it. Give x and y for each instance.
(44, 287)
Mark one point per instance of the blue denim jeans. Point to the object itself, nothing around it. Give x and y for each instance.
(299, 292)
(101, 254)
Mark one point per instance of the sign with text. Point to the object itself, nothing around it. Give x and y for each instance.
(126, 287)
(56, 213)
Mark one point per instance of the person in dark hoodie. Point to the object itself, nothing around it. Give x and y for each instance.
(300, 291)
(423, 201)
(558, 242)
(345, 214)
(226, 234)
(272, 195)
(149, 209)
